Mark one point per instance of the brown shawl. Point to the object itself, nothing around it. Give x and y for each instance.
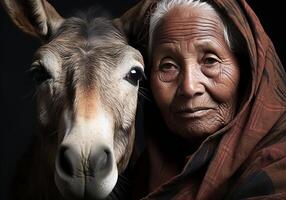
(247, 158)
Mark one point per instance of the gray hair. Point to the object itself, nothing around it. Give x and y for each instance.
(164, 6)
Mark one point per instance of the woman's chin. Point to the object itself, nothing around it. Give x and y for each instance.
(193, 130)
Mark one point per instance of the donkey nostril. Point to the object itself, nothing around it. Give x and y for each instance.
(101, 161)
(65, 161)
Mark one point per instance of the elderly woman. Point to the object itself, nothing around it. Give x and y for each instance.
(220, 89)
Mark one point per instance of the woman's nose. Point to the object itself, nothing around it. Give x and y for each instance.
(191, 83)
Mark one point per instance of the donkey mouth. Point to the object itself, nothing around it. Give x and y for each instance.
(87, 188)
(93, 180)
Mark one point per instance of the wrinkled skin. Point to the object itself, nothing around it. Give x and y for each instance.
(194, 75)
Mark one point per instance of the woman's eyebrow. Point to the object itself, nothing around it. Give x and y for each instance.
(165, 41)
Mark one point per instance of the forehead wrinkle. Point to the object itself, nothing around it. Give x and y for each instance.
(198, 20)
(192, 26)
(186, 30)
(186, 37)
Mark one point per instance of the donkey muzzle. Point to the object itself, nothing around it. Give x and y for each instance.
(92, 175)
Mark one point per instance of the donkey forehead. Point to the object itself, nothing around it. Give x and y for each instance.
(87, 43)
(88, 59)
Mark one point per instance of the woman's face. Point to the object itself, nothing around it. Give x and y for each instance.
(194, 75)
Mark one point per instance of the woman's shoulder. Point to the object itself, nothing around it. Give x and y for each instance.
(264, 172)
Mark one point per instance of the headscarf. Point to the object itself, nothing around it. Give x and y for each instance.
(246, 159)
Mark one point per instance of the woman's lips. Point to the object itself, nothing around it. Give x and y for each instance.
(193, 112)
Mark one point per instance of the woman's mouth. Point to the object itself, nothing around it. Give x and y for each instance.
(196, 112)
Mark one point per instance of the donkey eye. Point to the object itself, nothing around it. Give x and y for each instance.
(135, 75)
(38, 73)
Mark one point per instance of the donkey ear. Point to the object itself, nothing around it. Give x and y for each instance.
(135, 21)
(35, 17)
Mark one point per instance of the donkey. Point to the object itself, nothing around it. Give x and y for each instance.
(87, 80)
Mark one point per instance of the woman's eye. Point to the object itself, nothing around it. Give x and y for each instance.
(135, 75)
(210, 60)
(168, 72)
(39, 74)
(167, 67)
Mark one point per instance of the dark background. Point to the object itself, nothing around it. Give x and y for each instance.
(17, 104)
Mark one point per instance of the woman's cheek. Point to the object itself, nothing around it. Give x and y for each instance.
(211, 72)
(224, 86)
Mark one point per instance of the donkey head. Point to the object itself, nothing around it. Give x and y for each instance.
(87, 82)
